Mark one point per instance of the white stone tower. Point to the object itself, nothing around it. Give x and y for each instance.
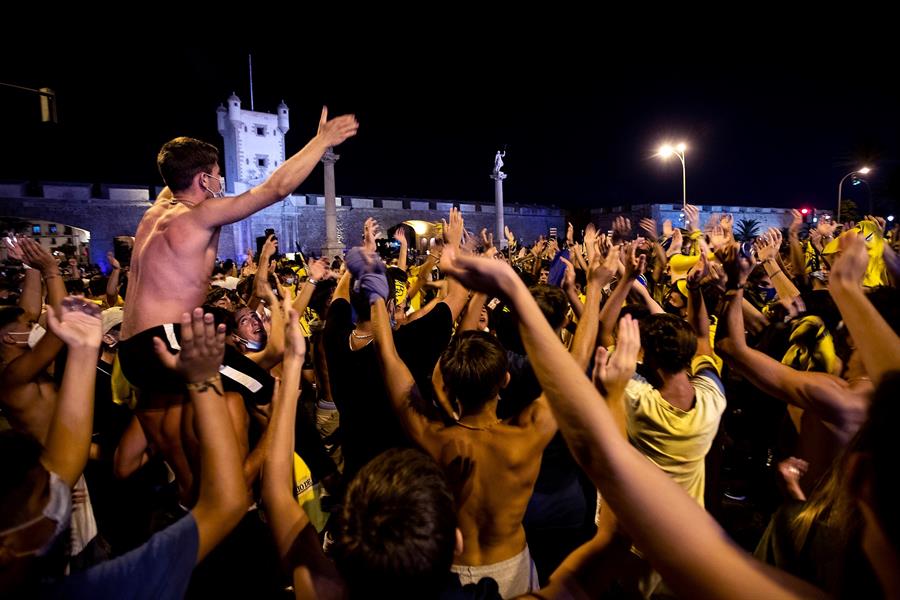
(253, 143)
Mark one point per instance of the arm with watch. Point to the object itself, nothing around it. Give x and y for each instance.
(317, 270)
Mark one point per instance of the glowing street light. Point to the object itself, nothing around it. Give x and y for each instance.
(862, 171)
(664, 152)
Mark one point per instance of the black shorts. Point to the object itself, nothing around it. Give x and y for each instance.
(144, 371)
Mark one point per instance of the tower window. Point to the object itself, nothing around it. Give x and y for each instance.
(35, 230)
(261, 162)
(52, 229)
(260, 131)
(68, 230)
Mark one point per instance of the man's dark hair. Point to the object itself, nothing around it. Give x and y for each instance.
(182, 158)
(553, 303)
(669, 342)
(396, 532)
(75, 286)
(474, 367)
(21, 455)
(97, 285)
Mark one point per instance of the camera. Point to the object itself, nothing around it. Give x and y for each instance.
(387, 249)
(260, 242)
(122, 247)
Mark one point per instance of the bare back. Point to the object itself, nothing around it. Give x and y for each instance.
(171, 265)
(506, 459)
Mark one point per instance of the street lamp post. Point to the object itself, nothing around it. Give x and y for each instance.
(863, 171)
(665, 152)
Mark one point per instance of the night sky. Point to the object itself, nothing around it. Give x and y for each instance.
(580, 130)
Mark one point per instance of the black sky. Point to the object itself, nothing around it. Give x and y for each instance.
(580, 129)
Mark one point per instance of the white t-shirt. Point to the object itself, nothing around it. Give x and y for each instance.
(677, 440)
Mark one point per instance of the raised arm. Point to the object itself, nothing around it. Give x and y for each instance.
(223, 496)
(598, 275)
(822, 393)
(77, 323)
(610, 314)
(683, 542)
(877, 343)
(399, 381)
(286, 517)
(112, 284)
(284, 180)
(696, 309)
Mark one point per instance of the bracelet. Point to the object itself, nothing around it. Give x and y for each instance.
(51, 275)
(737, 287)
(312, 281)
(202, 386)
(26, 267)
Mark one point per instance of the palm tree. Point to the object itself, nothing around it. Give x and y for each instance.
(747, 230)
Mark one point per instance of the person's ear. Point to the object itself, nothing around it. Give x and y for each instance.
(458, 549)
(506, 379)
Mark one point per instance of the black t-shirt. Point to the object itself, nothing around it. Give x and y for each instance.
(368, 423)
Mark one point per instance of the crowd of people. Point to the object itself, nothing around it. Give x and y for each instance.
(540, 419)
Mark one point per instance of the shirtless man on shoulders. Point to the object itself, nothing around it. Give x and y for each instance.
(173, 257)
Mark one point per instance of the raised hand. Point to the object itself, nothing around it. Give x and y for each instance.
(111, 259)
(336, 130)
(400, 236)
(602, 269)
(493, 277)
(510, 238)
(613, 371)
(202, 348)
(621, 228)
(667, 228)
(570, 234)
(37, 257)
(453, 231)
(736, 267)
(77, 324)
(649, 227)
(319, 269)
(568, 281)
(717, 237)
(699, 272)
(692, 217)
(796, 222)
(677, 242)
(370, 232)
(766, 246)
(727, 223)
(634, 265)
(268, 250)
(590, 241)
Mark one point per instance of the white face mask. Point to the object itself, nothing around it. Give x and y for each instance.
(221, 180)
(250, 344)
(58, 509)
(31, 338)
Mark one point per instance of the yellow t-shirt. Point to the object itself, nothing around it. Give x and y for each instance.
(677, 440)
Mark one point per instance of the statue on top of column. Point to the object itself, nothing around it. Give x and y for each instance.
(498, 162)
